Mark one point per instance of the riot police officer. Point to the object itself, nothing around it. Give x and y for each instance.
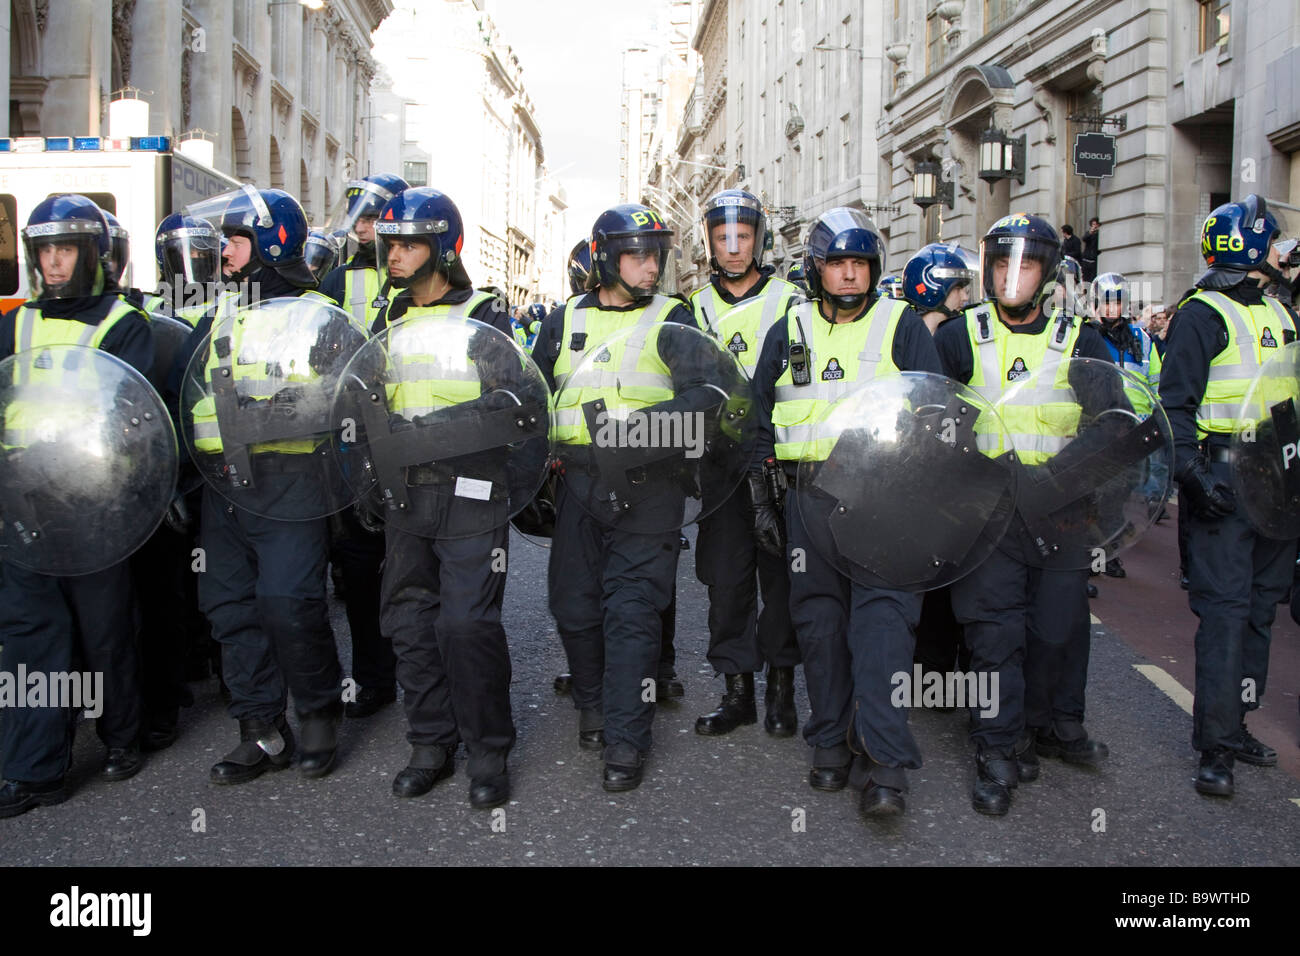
(46, 620)
(321, 253)
(264, 588)
(1027, 624)
(795, 276)
(1220, 336)
(189, 253)
(741, 302)
(359, 285)
(442, 593)
(610, 619)
(852, 637)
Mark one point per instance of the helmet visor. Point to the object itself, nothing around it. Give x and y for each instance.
(241, 208)
(119, 246)
(62, 258)
(644, 262)
(320, 253)
(360, 200)
(190, 254)
(1015, 268)
(734, 232)
(407, 250)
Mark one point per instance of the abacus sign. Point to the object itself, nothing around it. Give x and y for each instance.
(1094, 155)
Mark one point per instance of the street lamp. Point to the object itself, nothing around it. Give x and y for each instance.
(1001, 156)
(929, 186)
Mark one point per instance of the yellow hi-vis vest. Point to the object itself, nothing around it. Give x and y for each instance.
(741, 327)
(418, 390)
(254, 382)
(841, 357)
(44, 387)
(1253, 331)
(626, 371)
(1040, 421)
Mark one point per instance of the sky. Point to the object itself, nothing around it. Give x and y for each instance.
(571, 54)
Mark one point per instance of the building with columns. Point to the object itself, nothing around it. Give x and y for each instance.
(1199, 96)
(448, 68)
(281, 90)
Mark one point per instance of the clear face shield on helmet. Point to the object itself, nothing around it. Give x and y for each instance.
(238, 208)
(62, 258)
(409, 251)
(734, 234)
(1013, 271)
(119, 255)
(320, 253)
(191, 255)
(358, 208)
(645, 264)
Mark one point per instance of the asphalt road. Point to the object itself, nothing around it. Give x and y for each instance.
(742, 799)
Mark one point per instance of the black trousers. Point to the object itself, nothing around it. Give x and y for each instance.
(854, 639)
(940, 645)
(359, 556)
(608, 592)
(735, 570)
(1057, 645)
(263, 591)
(167, 596)
(1237, 579)
(442, 606)
(55, 625)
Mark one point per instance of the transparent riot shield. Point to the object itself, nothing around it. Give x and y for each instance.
(648, 428)
(1091, 440)
(894, 489)
(1265, 466)
(88, 460)
(257, 407)
(450, 429)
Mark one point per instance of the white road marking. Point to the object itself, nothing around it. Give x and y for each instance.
(1176, 692)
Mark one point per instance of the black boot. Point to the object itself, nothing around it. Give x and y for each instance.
(1214, 777)
(781, 719)
(320, 733)
(1254, 751)
(591, 730)
(1028, 765)
(995, 776)
(262, 746)
(428, 765)
(737, 708)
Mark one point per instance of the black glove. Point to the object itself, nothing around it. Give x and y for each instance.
(1208, 496)
(769, 526)
(178, 516)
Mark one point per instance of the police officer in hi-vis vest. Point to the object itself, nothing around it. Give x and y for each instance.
(852, 637)
(442, 592)
(742, 301)
(1218, 339)
(47, 621)
(1028, 625)
(609, 612)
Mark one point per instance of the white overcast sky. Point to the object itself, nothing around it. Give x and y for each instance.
(571, 54)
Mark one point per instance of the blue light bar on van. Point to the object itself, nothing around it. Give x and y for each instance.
(58, 144)
(64, 144)
(159, 144)
(85, 143)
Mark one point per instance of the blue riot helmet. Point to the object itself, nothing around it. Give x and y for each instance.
(119, 247)
(270, 219)
(796, 275)
(1019, 256)
(188, 251)
(843, 233)
(933, 273)
(321, 253)
(1235, 241)
(536, 313)
(636, 229)
(723, 219)
(422, 215)
(66, 243)
(890, 287)
(1070, 291)
(580, 266)
(365, 199)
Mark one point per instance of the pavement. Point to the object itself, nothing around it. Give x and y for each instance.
(740, 799)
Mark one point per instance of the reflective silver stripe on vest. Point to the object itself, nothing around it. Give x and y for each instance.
(627, 375)
(768, 319)
(1247, 366)
(868, 359)
(27, 318)
(357, 302)
(1047, 444)
(994, 377)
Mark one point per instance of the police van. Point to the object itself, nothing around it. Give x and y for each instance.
(139, 179)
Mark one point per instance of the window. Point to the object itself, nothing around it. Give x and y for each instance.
(1082, 196)
(997, 13)
(848, 165)
(416, 174)
(1215, 20)
(8, 245)
(934, 43)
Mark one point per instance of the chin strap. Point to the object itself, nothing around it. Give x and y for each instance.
(1018, 311)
